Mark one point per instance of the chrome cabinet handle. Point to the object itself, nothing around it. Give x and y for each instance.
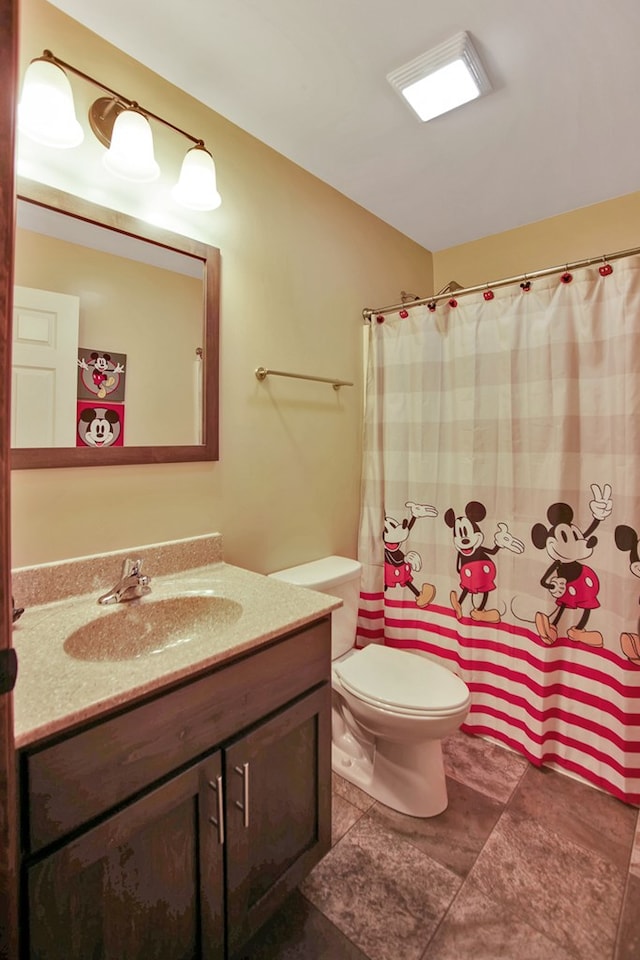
(243, 771)
(216, 786)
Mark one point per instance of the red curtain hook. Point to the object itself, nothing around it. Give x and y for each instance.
(605, 268)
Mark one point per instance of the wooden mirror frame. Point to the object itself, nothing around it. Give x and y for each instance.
(27, 458)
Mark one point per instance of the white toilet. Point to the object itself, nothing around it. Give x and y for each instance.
(391, 708)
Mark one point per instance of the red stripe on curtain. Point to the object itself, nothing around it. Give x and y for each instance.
(551, 757)
(543, 701)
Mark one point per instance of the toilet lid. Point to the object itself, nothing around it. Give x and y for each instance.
(395, 678)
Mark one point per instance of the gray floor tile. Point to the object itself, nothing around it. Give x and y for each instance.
(477, 928)
(348, 791)
(635, 853)
(300, 932)
(578, 811)
(629, 932)
(483, 765)
(453, 838)
(343, 816)
(564, 891)
(545, 859)
(385, 895)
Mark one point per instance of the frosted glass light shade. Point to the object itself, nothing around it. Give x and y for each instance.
(447, 88)
(196, 187)
(46, 112)
(441, 79)
(130, 155)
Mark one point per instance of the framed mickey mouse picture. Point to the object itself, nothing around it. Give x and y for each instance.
(99, 424)
(101, 375)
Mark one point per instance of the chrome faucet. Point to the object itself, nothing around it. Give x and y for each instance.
(132, 584)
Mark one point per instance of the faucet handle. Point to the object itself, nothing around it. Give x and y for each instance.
(131, 567)
(17, 611)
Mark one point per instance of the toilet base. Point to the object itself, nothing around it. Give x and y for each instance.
(408, 778)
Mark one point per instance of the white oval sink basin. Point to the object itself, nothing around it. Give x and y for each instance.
(140, 628)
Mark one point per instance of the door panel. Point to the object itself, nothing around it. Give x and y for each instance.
(132, 886)
(278, 780)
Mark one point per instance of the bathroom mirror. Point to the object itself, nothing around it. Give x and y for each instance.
(115, 338)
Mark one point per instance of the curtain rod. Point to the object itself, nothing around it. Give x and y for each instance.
(367, 313)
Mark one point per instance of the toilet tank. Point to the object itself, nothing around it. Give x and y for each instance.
(339, 577)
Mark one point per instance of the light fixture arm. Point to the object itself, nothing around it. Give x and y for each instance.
(46, 114)
(48, 55)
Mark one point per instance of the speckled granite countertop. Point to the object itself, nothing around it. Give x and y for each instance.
(61, 684)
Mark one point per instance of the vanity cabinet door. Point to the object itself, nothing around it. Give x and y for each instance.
(278, 810)
(144, 884)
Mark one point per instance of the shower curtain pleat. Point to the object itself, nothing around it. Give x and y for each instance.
(515, 421)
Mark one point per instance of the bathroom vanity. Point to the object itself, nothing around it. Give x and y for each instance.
(171, 822)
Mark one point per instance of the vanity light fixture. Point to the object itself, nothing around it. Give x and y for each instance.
(46, 114)
(196, 188)
(130, 153)
(442, 79)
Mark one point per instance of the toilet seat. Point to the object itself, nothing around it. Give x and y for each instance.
(391, 680)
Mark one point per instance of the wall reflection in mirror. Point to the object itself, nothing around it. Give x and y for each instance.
(115, 339)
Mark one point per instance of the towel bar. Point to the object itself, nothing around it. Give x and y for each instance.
(262, 373)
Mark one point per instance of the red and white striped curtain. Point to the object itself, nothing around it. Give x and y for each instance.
(501, 516)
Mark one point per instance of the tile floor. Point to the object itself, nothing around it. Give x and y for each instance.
(525, 864)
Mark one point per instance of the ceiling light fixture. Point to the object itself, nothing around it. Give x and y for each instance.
(46, 114)
(441, 79)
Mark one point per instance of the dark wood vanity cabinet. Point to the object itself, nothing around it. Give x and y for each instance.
(277, 829)
(191, 864)
(145, 882)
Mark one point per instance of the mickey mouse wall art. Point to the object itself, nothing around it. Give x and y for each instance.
(101, 375)
(100, 425)
(100, 406)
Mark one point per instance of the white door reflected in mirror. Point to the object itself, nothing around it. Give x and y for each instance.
(45, 350)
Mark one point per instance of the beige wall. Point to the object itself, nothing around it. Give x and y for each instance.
(579, 235)
(299, 262)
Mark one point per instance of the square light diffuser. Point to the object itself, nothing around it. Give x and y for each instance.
(441, 79)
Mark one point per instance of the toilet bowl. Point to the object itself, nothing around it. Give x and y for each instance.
(390, 707)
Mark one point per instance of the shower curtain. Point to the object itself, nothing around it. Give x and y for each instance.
(500, 510)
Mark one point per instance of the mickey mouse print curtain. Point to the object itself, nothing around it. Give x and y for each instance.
(500, 518)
